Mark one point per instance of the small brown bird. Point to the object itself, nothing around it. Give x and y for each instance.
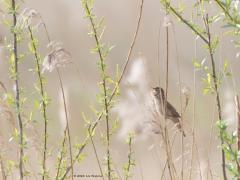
(171, 112)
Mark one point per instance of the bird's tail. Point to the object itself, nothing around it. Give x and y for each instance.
(180, 127)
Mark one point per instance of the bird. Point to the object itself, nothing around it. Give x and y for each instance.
(171, 112)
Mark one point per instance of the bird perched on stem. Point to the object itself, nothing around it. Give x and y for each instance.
(171, 112)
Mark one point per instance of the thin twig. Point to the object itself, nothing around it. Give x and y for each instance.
(166, 137)
(126, 62)
(164, 168)
(188, 24)
(67, 122)
(61, 154)
(76, 157)
(238, 126)
(158, 53)
(225, 11)
(43, 100)
(180, 98)
(194, 108)
(67, 129)
(116, 87)
(165, 105)
(214, 75)
(130, 163)
(208, 42)
(95, 152)
(166, 162)
(194, 143)
(3, 87)
(104, 86)
(17, 92)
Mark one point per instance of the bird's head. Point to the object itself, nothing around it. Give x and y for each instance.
(157, 91)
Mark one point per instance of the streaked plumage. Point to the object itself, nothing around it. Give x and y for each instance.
(171, 112)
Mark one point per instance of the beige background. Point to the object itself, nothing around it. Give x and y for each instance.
(65, 22)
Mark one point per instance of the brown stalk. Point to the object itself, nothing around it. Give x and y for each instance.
(170, 164)
(165, 107)
(96, 154)
(3, 87)
(181, 104)
(194, 143)
(67, 122)
(67, 130)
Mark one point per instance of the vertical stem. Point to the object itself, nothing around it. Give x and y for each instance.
(238, 128)
(108, 141)
(181, 106)
(208, 42)
(61, 155)
(158, 54)
(66, 133)
(168, 150)
(67, 130)
(214, 75)
(104, 85)
(17, 92)
(165, 102)
(44, 105)
(194, 143)
(116, 87)
(129, 164)
(95, 152)
(194, 110)
(67, 121)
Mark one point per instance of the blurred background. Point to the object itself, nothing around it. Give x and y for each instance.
(66, 24)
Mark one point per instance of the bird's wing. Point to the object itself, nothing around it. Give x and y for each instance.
(173, 115)
(172, 112)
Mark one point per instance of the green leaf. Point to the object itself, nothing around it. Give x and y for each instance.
(222, 125)
(196, 64)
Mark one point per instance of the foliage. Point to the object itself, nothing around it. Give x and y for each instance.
(21, 31)
(230, 149)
